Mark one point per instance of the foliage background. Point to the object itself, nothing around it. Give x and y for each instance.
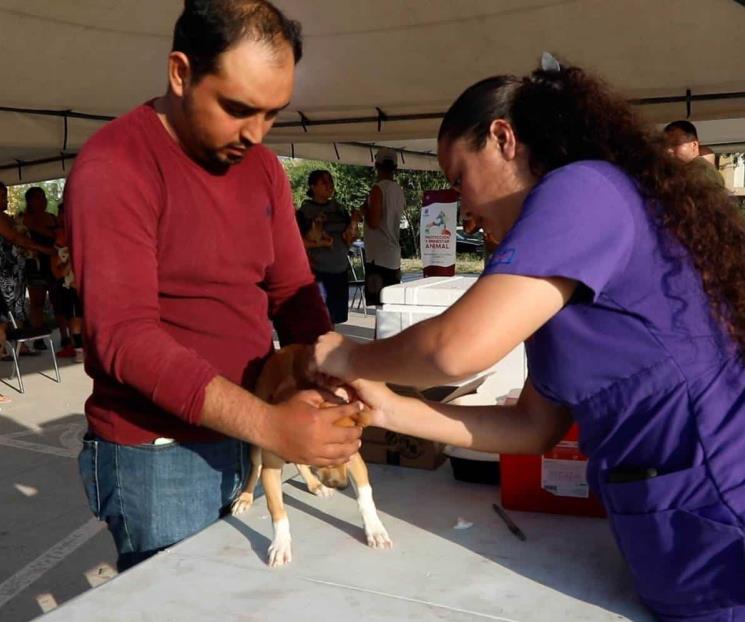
(353, 184)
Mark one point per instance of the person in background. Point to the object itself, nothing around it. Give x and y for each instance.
(184, 265)
(63, 288)
(323, 222)
(41, 226)
(681, 138)
(707, 154)
(12, 274)
(621, 268)
(12, 260)
(382, 213)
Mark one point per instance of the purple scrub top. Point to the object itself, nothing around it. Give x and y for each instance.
(650, 377)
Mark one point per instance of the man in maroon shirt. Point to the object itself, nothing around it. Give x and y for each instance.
(186, 252)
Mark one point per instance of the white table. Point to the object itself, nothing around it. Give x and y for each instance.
(568, 570)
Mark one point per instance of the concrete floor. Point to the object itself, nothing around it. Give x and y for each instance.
(51, 548)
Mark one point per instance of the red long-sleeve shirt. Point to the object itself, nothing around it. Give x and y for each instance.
(181, 272)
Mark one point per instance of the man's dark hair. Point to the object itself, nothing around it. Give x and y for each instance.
(207, 28)
(684, 126)
(387, 166)
(3, 186)
(314, 178)
(34, 191)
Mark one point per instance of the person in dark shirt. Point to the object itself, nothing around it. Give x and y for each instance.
(323, 223)
(681, 138)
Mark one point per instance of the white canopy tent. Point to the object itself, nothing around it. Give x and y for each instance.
(374, 71)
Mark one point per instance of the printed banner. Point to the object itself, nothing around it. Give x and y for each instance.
(439, 220)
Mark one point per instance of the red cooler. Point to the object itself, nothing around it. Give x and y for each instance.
(555, 483)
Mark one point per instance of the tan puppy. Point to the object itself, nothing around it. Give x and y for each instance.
(282, 377)
(316, 237)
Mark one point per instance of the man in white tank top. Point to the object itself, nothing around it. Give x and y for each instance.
(382, 213)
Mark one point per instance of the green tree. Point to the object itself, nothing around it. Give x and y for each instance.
(352, 182)
(54, 190)
(353, 185)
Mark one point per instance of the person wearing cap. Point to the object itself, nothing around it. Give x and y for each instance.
(681, 138)
(382, 212)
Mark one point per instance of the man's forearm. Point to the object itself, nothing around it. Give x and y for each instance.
(233, 411)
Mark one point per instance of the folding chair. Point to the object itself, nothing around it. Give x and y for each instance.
(357, 284)
(16, 337)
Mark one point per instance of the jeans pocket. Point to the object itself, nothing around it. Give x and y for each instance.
(88, 467)
(682, 560)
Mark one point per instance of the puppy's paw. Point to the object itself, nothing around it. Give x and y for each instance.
(242, 503)
(321, 491)
(280, 552)
(377, 537)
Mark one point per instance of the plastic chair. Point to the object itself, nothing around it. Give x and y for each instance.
(16, 337)
(357, 284)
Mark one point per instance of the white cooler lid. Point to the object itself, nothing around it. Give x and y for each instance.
(436, 291)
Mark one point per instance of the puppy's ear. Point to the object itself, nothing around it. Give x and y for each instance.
(302, 355)
(286, 387)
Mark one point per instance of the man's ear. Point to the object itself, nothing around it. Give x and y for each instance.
(179, 73)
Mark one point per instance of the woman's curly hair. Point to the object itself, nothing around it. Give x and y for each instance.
(567, 115)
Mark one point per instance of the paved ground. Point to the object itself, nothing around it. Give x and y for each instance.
(51, 548)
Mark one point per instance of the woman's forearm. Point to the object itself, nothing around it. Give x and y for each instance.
(408, 358)
(498, 429)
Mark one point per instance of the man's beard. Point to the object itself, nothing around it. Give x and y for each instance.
(211, 159)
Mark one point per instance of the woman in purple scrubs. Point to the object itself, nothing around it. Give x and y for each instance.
(622, 270)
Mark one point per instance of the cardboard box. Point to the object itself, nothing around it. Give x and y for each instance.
(381, 446)
(400, 450)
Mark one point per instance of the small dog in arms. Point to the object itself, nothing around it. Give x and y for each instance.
(281, 377)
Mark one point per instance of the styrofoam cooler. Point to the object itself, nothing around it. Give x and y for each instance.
(406, 304)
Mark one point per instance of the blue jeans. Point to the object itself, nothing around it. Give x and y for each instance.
(152, 496)
(335, 293)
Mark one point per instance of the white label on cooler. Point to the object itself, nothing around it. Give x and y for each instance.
(565, 478)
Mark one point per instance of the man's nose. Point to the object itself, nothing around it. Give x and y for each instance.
(254, 129)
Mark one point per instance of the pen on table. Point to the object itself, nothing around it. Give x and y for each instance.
(509, 522)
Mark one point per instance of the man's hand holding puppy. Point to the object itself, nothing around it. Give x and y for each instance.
(324, 426)
(297, 429)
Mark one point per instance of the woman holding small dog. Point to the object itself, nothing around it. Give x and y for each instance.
(622, 270)
(324, 223)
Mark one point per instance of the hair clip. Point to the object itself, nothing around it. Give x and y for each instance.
(549, 63)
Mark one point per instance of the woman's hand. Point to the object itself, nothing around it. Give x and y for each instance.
(378, 399)
(332, 356)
